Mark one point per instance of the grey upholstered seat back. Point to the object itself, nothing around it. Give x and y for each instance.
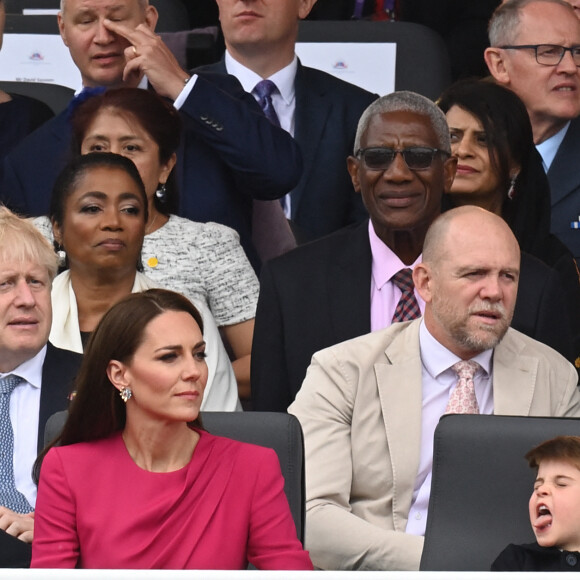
(422, 62)
(481, 487)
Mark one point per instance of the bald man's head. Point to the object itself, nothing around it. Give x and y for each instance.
(468, 279)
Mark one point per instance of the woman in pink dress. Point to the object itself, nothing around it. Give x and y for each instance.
(135, 481)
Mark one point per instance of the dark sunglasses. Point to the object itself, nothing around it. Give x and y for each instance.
(380, 158)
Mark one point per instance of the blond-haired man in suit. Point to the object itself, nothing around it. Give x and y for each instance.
(41, 377)
(369, 406)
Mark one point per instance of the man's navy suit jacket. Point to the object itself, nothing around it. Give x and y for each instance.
(564, 179)
(58, 372)
(230, 154)
(326, 117)
(319, 295)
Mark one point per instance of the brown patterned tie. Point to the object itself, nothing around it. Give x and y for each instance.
(462, 399)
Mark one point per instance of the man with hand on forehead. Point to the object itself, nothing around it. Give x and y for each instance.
(230, 153)
(113, 44)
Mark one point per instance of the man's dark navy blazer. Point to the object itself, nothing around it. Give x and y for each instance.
(326, 117)
(230, 154)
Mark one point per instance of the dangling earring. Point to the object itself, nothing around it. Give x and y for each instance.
(61, 256)
(161, 193)
(60, 252)
(512, 190)
(126, 393)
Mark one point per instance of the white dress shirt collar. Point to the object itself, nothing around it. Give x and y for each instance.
(548, 148)
(283, 79)
(437, 359)
(30, 370)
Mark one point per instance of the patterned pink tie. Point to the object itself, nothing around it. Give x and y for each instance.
(408, 307)
(462, 399)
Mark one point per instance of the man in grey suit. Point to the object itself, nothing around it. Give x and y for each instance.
(369, 406)
(42, 376)
(320, 111)
(535, 51)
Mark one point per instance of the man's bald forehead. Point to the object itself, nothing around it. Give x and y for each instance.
(433, 247)
(436, 246)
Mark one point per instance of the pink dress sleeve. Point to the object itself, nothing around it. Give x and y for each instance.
(273, 544)
(55, 543)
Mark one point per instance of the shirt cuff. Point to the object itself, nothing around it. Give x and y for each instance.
(184, 92)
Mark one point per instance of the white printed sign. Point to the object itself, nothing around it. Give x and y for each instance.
(366, 64)
(40, 58)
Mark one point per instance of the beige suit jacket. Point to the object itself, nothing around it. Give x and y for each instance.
(360, 408)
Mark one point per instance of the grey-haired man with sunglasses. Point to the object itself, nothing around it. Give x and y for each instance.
(343, 285)
(535, 51)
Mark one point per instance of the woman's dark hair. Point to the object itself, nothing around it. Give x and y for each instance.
(510, 143)
(97, 411)
(69, 178)
(157, 117)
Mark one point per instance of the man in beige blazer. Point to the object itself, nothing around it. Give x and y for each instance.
(369, 406)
